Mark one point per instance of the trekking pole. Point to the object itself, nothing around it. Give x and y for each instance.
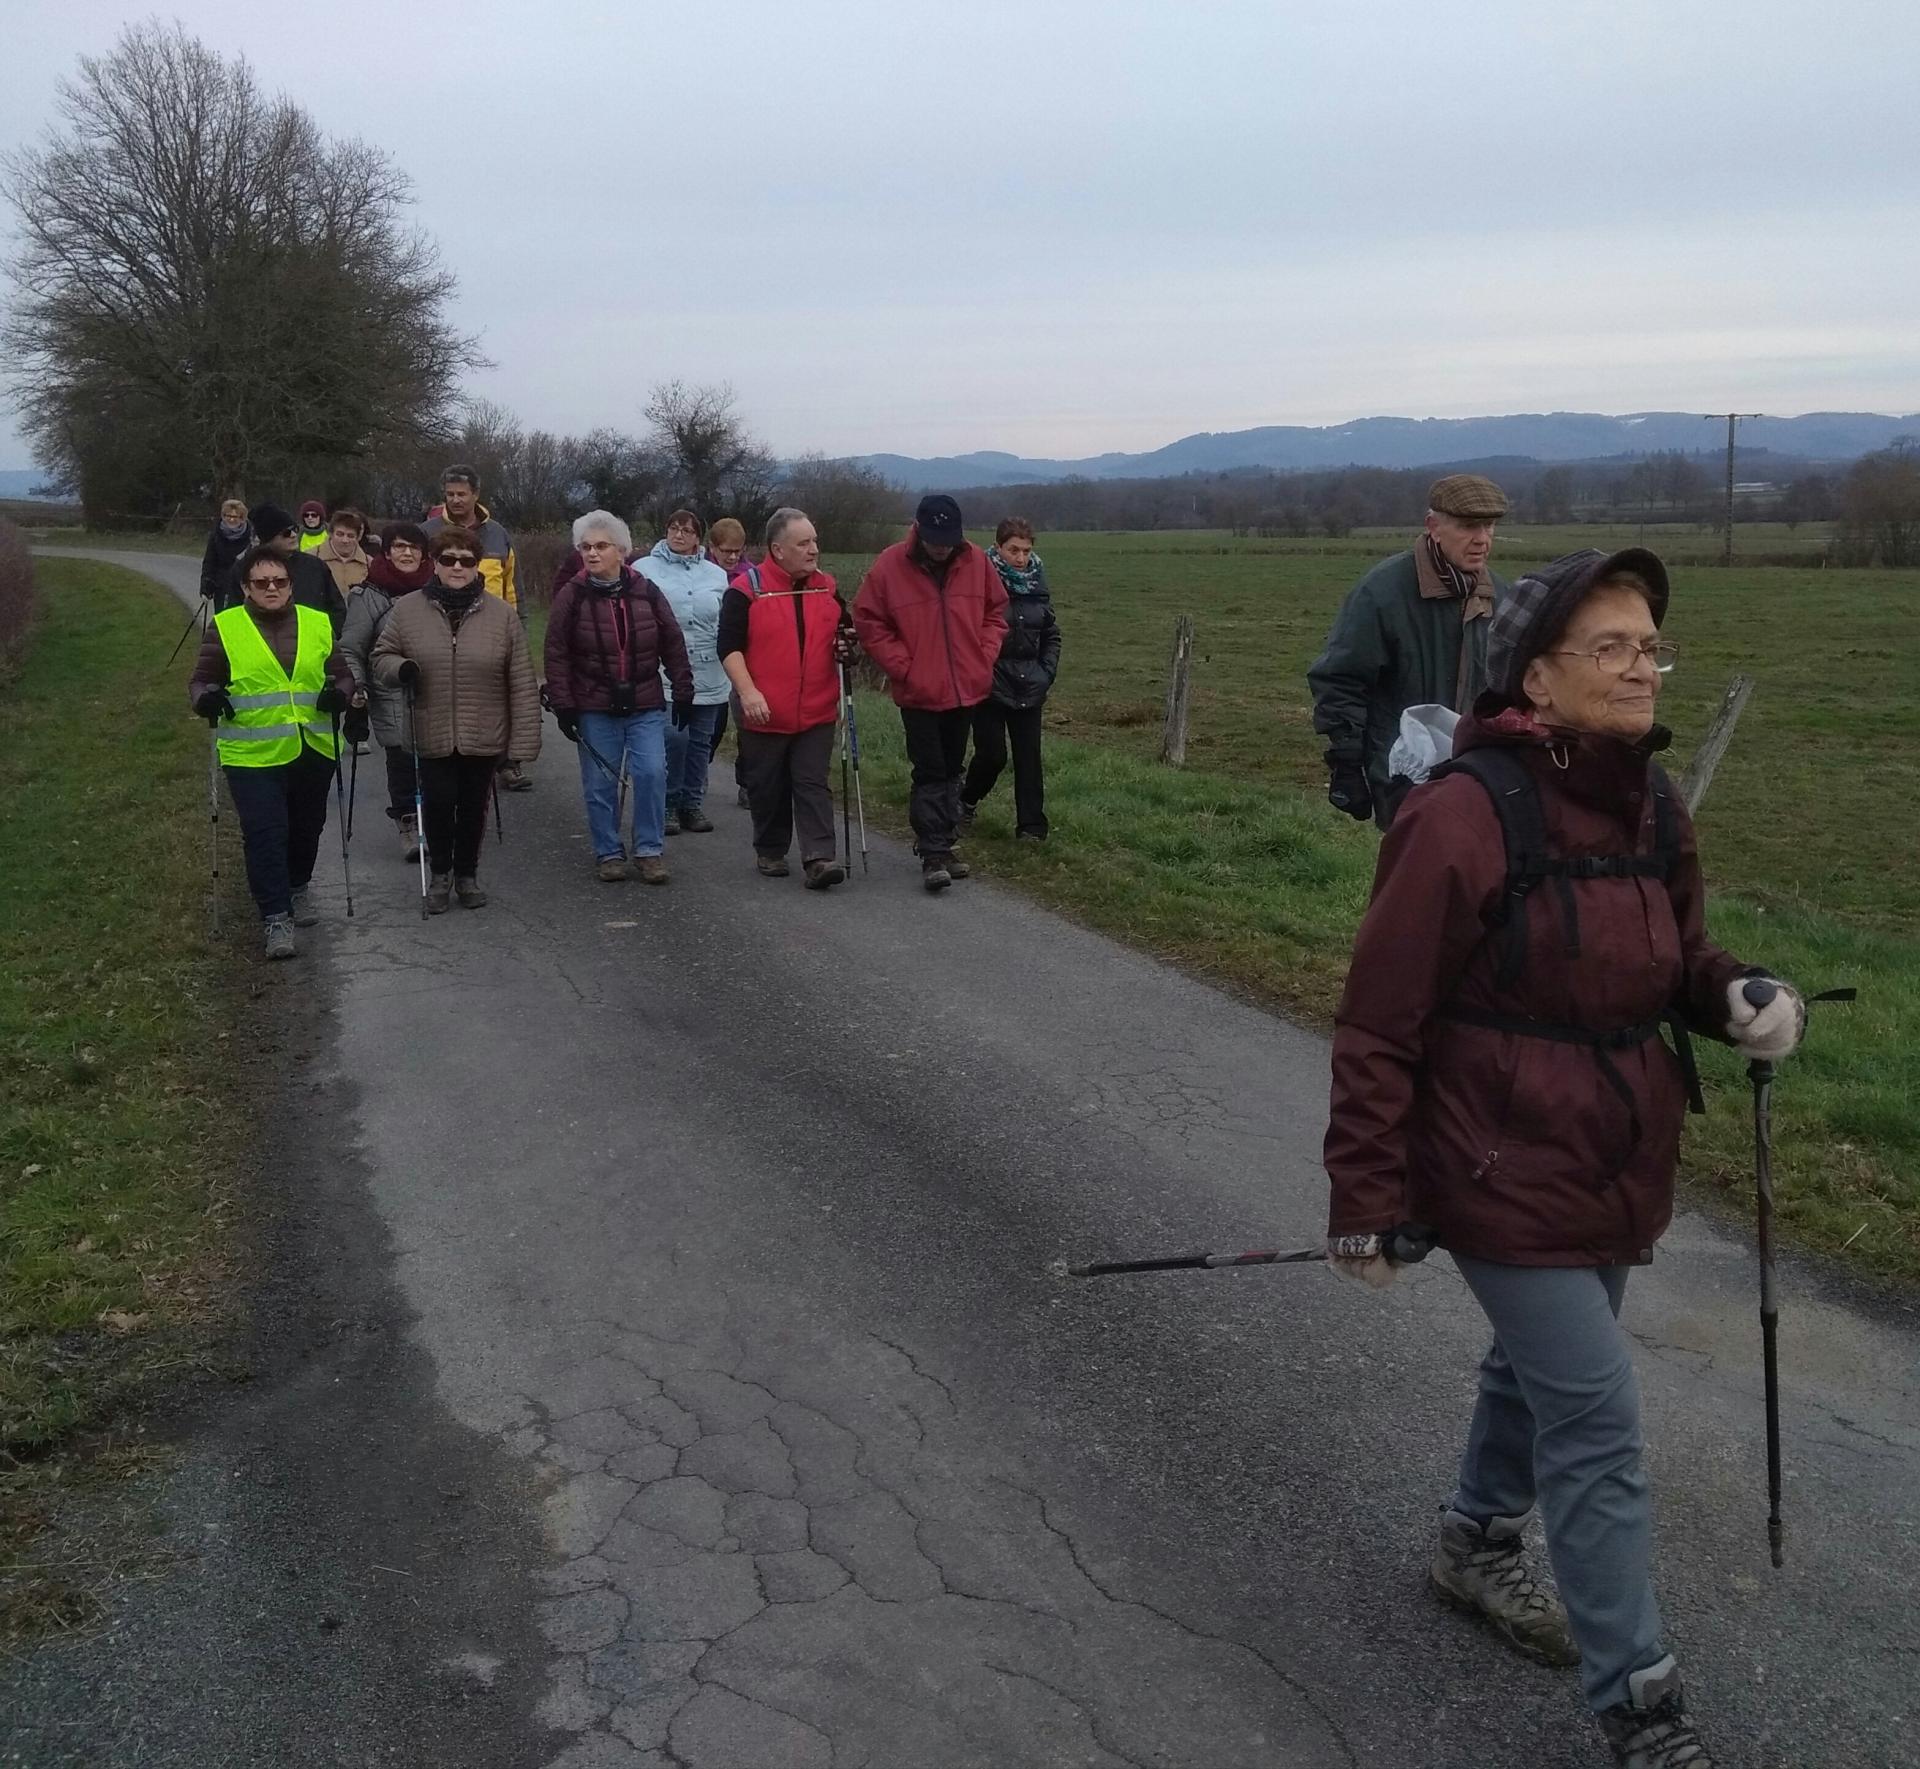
(419, 801)
(497, 836)
(1406, 1245)
(340, 802)
(846, 792)
(853, 748)
(1758, 993)
(213, 815)
(353, 789)
(197, 619)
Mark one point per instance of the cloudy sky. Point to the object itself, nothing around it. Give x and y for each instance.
(1061, 226)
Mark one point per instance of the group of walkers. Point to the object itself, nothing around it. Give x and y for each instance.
(411, 639)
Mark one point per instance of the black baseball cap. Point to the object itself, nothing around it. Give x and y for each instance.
(938, 520)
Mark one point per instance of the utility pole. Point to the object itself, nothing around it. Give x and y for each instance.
(1733, 420)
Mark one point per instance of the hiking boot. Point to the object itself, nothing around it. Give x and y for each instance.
(1481, 1571)
(1649, 1729)
(770, 865)
(650, 869)
(304, 913)
(1029, 835)
(409, 839)
(967, 814)
(440, 893)
(933, 871)
(694, 820)
(512, 778)
(823, 875)
(611, 870)
(958, 868)
(470, 894)
(279, 932)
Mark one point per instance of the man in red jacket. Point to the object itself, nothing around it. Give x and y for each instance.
(932, 613)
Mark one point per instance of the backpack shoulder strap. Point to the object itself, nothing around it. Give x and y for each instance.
(1666, 822)
(753, 577)
(1523, 829)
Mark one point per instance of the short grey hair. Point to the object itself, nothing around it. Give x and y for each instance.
(782, 519)
(603, 522)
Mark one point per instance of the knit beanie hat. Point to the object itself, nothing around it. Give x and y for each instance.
(269, 521)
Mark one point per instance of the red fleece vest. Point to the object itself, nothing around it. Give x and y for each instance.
(802, 690)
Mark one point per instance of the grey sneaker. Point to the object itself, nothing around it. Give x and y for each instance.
(440, 893)
(1649, 1729)
(1481, 1571)
(280, 941)
(304, 913)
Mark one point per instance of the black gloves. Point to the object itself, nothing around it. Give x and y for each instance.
(569, 724)
(332, 700)
(409, 674)
(1347, 788)
(846, 646)
(213, 706)
(357, 726)
(682, 714)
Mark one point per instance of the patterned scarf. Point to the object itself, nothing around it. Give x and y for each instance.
(1462, 583)
(1019, 582)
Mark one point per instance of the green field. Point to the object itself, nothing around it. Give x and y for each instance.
(1238, 868)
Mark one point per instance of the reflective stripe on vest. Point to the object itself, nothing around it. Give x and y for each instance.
(273, 713)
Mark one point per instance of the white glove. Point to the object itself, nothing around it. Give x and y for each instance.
(1766, 1034)
(1372, 1269)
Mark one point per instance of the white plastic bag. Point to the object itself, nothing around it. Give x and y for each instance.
(1425, 741)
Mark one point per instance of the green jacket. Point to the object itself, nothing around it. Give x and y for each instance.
(1391, 648)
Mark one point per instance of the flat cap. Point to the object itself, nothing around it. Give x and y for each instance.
(1467, 495)
(1537, 608)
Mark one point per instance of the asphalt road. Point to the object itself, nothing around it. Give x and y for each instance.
(722, 1217)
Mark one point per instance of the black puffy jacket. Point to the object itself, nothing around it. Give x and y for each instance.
(1030, 653)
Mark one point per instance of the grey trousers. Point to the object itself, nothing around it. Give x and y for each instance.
(786, 778)
(1557, 1422)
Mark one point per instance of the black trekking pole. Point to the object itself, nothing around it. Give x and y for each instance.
(340, 802)
(846, 792)
(353, 789)
(213, 815)
(853, 749)
(1406, 1245)
(497, 836)
(197, 619)
(1758, 993)
(419, 799)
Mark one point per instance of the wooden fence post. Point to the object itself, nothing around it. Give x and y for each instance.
(1173, 741)
(1699, 772)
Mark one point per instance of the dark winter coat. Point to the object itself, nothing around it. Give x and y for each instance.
(1030, 653)
(1391, 647)
(313, 587)
(935, 630)
(1518, 1149)
(218, 561)
(584, 645)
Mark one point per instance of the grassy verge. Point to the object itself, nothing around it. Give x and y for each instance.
(115, 1139)
(1260, 888)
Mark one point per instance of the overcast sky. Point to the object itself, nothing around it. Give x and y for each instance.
(1062, 226)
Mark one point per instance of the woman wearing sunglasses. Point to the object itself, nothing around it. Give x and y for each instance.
(1500, 1074)
(269, 681)
(459, 658)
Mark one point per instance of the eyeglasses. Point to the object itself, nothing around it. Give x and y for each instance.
(1616, 656)
(268, 583)
(458, 559)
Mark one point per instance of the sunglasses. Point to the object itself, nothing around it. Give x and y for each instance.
(268, 583)
(458, 559)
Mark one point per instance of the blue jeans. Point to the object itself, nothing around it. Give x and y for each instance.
(1558, 1420)
(641, 740)
(688, 754)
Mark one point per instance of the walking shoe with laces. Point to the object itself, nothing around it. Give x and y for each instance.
(1649, 1730)
(440, 893)
(611, 870)
(957, 868)
(280, 941)
(650, 869)
(470, 894)
(933, 871)
(770, 865)
(304, 913)
(694, 820)
(512, 779)
(1481, 1572)
(409, 838)
(823, 875)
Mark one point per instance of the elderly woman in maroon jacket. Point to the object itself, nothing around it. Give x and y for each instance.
(609, 635)
(1499, 1074)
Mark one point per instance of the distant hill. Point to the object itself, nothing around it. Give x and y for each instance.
(1420, 442)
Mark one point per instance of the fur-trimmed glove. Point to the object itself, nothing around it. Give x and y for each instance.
(1770, 1033)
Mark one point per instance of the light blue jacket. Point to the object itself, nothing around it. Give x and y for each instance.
(693, 586)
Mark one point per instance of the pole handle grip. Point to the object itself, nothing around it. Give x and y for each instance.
(1408, 1244)
(1759, 991)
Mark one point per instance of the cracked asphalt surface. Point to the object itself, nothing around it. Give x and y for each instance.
(724, 1214)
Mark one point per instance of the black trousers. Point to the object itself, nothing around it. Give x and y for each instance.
(399, 783)
(283, 813)
(455, 792)
(937, 748)
(786, 781)
(997, 728)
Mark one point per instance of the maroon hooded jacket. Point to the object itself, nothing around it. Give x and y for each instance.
(937, 636)
(1517, 1148)
(626, 633)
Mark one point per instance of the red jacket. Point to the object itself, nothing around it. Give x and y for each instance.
(1516, 1148)
(591, 645)
(937, 638)
(800, 678)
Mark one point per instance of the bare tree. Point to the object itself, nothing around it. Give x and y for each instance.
(713, 463)
(854, 506)
(1880, 507)
(212, 297)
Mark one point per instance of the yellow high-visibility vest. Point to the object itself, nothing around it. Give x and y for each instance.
(274, 713)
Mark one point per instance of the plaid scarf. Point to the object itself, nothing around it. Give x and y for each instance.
(1462, 583)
